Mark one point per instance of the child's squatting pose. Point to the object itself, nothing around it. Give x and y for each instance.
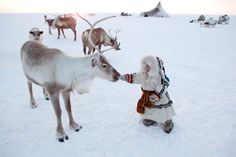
(155, 105)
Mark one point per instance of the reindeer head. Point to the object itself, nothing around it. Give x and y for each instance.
(35, 34)
(104, 68)
(113, 41)
(114, 44)
(48, 21)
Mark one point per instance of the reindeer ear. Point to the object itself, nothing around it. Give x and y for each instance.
(94, 62)
(31, 32)
(41, 32)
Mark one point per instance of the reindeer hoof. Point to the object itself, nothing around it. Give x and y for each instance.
(33, 106)
(46, 96)
(78, 129)
(63, 138)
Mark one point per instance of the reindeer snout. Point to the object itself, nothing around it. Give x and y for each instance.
(116, 76)
(118, 48)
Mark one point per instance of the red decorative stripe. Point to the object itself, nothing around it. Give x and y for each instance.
(130, 78)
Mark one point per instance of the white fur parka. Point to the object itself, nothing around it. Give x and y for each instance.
(152, 80)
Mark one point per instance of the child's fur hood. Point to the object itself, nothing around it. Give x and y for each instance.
(153, 63)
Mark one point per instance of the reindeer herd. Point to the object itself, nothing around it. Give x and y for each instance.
(99, 36)
(60, 74)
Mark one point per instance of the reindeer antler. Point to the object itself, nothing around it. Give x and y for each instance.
(92, 27)
(109, 32)
(117, 31)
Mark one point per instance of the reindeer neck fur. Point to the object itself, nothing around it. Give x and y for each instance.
(80, 72)
(107, 40)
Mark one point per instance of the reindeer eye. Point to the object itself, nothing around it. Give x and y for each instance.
(105, 66)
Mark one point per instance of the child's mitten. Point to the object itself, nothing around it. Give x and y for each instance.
(127, 77)
(154, 98)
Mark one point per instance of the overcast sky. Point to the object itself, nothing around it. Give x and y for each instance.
(137, 6)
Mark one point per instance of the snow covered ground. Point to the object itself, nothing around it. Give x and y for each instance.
(200, 63)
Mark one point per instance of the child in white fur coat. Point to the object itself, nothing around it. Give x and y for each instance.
(155, 105)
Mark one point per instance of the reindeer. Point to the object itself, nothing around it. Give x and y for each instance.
(61, 23)
(35, 34)
(99, 37)
(61, 74)
(49, 22)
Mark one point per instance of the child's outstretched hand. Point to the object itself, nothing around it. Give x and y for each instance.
(153, 98)
(127, 77)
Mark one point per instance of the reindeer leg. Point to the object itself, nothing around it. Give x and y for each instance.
(54, 96)
(32, 101)
(46, 96)
(62, 30)
(89, 51)
(93, 50)
(99, 47)
(75, 35)
(50, 32)
(84, 49)
(74, 30)
(73, 125)
(58, 33)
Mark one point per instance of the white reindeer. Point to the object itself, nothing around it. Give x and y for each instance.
(61, 74)
(36, 34)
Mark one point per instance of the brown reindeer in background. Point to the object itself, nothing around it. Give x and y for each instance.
(99, 37)
(60, 23)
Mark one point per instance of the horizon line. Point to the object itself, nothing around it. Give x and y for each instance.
(109, 13)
